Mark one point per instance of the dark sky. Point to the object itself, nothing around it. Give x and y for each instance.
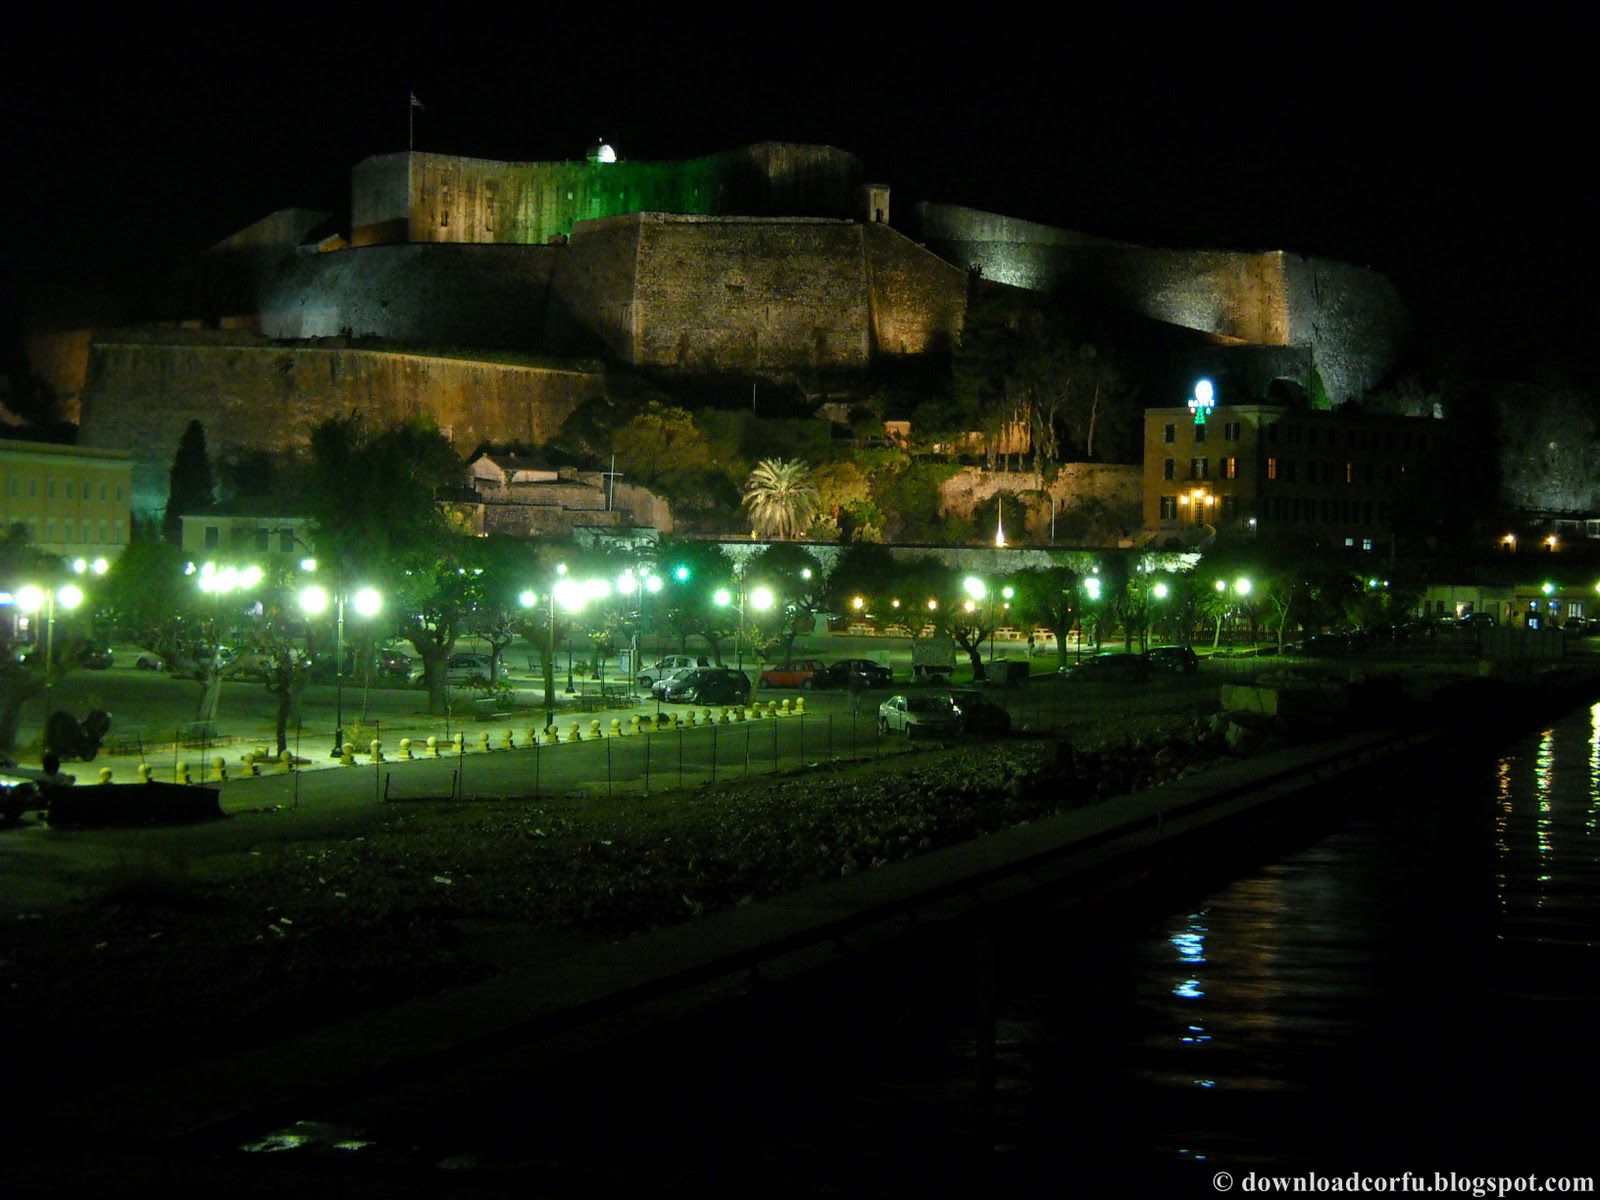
(1453, 154)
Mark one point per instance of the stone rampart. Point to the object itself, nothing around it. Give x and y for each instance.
(421, 197)
(1350, 318)
(144, 387)
(488, 296)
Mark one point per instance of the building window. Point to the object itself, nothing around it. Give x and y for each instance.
(1169, 433)
(102, 489)
(286, 541)
(1199, 434)
(1349, 472)
(1366, 543)
(1288, 470)
(1230, 468)
(1169, 508)
(71, 490)
(1230, 431)
(50, 489)
(1272, 468)
(1169, 469)
(1199, 468)
(263, 543)
(213, 537)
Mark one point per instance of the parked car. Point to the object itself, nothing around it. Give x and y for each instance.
(797, 674)
(978, 713)
(861, 672)
(393, 665)
(709, 685)
(1109, 668)
(1178, 660)
(666, 666)
(467, 668)
(1477, 620)
(1578, 627)
(919, 716)
(97, 658)
(149, 661)
(658, 689)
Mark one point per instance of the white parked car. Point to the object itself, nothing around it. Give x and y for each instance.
(669, 664)
(467, 668)
(918, 716)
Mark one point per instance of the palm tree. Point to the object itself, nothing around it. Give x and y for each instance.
(781, 497)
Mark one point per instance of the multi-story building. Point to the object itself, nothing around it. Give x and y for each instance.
(1334, 477)
(73, 501)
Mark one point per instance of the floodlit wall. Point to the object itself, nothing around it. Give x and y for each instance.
(420, 197)
(1350, 318)
(489, 296)
(143, 388)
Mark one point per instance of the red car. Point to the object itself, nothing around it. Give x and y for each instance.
(797, 674)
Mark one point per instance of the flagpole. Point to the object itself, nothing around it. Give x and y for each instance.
(411, 121)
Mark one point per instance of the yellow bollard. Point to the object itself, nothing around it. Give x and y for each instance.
(755, 711)
(799, 705)
(483, 741)
(706, 717)
(105, 774)
(687, 720)
(433, 746)
(377, 750)
(286, 761)
(551, 735)
(738, 713)
(533, 736)
(183, 773)
(144, 772)
(772, 708)
(220, 766)
(347, 757)
(616, 727)
(727, 718)
(633, 723)
(573, 735)
(594, 728)
(509, 741)
(784, 707)
(405, 747)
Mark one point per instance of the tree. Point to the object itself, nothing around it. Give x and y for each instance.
(796, 576)
(781, 497)
(1048, 596)
(192, 486)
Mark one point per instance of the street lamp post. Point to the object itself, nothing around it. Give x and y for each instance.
(31, 599)
(761, 598)
(368, 603)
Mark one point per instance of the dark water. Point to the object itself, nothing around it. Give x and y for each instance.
(1414, 990)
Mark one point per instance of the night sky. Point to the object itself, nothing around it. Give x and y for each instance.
(1454, 156)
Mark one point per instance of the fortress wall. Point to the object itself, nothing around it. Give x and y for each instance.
(490, 296)
(729, 293)
(919, 301)
(592, 290)
(380, 200)
(143, 389)
(956, 222)
(419, 197)
(1352, 317)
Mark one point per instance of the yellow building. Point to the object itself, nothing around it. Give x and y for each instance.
(74, 501)
(1333, 477)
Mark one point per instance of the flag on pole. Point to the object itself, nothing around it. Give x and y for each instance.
(415, 103)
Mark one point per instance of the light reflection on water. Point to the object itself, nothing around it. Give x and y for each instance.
(1413, 991)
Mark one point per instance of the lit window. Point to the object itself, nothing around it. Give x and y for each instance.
(1366, 543)
(1230, 468)
(1349, 472)
(1272, 468)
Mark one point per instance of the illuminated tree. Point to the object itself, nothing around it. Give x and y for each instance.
(781, 497)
